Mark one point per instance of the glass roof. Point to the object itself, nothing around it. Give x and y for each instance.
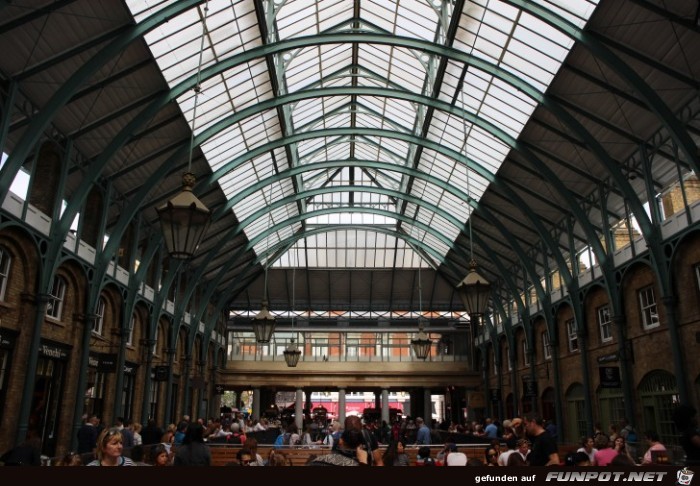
(360, 172)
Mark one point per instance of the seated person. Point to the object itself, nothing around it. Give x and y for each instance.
(423, 454)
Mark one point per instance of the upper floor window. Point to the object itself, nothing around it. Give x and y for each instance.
(99, 320)
(605, 324)
(495, 362)
(54, 306)
(508, 361)
(352, 346)
(697, 274)
(647, 305)
(573, 335)
(5, 260)
(545, 345)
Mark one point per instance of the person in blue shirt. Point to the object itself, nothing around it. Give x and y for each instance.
(491, 429)
(423, 434)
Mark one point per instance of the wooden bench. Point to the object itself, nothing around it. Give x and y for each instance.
(222, 455)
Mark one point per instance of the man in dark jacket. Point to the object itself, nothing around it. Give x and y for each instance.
(151, 433)
(87, 435)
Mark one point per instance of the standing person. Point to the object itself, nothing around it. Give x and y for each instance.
(110, 445)
(686, 423)
(628, 433)
(151, 433)
(491, 429)
(136, 430)
(423, 432)
(544, 448)
(87, 435)
(193, 451)
(127, 433)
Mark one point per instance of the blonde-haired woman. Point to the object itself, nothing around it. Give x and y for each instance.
(109, 448)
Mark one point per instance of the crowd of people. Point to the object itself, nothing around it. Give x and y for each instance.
(526, 441)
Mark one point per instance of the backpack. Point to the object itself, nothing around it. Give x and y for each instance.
(279, 441)
(632, 437)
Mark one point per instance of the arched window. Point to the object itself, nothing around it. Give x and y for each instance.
(54, 306)
(99, 321)
(658, 393)
(577, 426)
(5, 262)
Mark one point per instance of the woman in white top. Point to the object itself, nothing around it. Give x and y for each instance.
(109, 449)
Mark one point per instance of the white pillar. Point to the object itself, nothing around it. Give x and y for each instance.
(385, 405)
(341, 406)
(299, 410)
(256, 403)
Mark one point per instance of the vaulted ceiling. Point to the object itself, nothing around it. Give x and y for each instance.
(346, 143)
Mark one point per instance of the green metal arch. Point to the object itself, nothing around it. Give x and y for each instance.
(310, 232)
(303, 42)
(77, 80)
(400, 195)
(380, 165)
(375, 190)
(448, 152)
(602, 52)
(333, 38)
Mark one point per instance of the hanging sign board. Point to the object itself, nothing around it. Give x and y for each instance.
(49, 349)
(610, 377)
(107, 363)
(161, 373)
(529, 387)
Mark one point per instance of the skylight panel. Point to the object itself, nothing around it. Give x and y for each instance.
(501, 34)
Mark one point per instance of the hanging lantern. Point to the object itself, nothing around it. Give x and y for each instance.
(184, 219)
(475, 292)
(292, 354)
(263, 324)
(421, 344)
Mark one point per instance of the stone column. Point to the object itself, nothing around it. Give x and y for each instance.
(427, 408)
(385, 405)
(299, 410)
(341, 405)
(256, 403)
